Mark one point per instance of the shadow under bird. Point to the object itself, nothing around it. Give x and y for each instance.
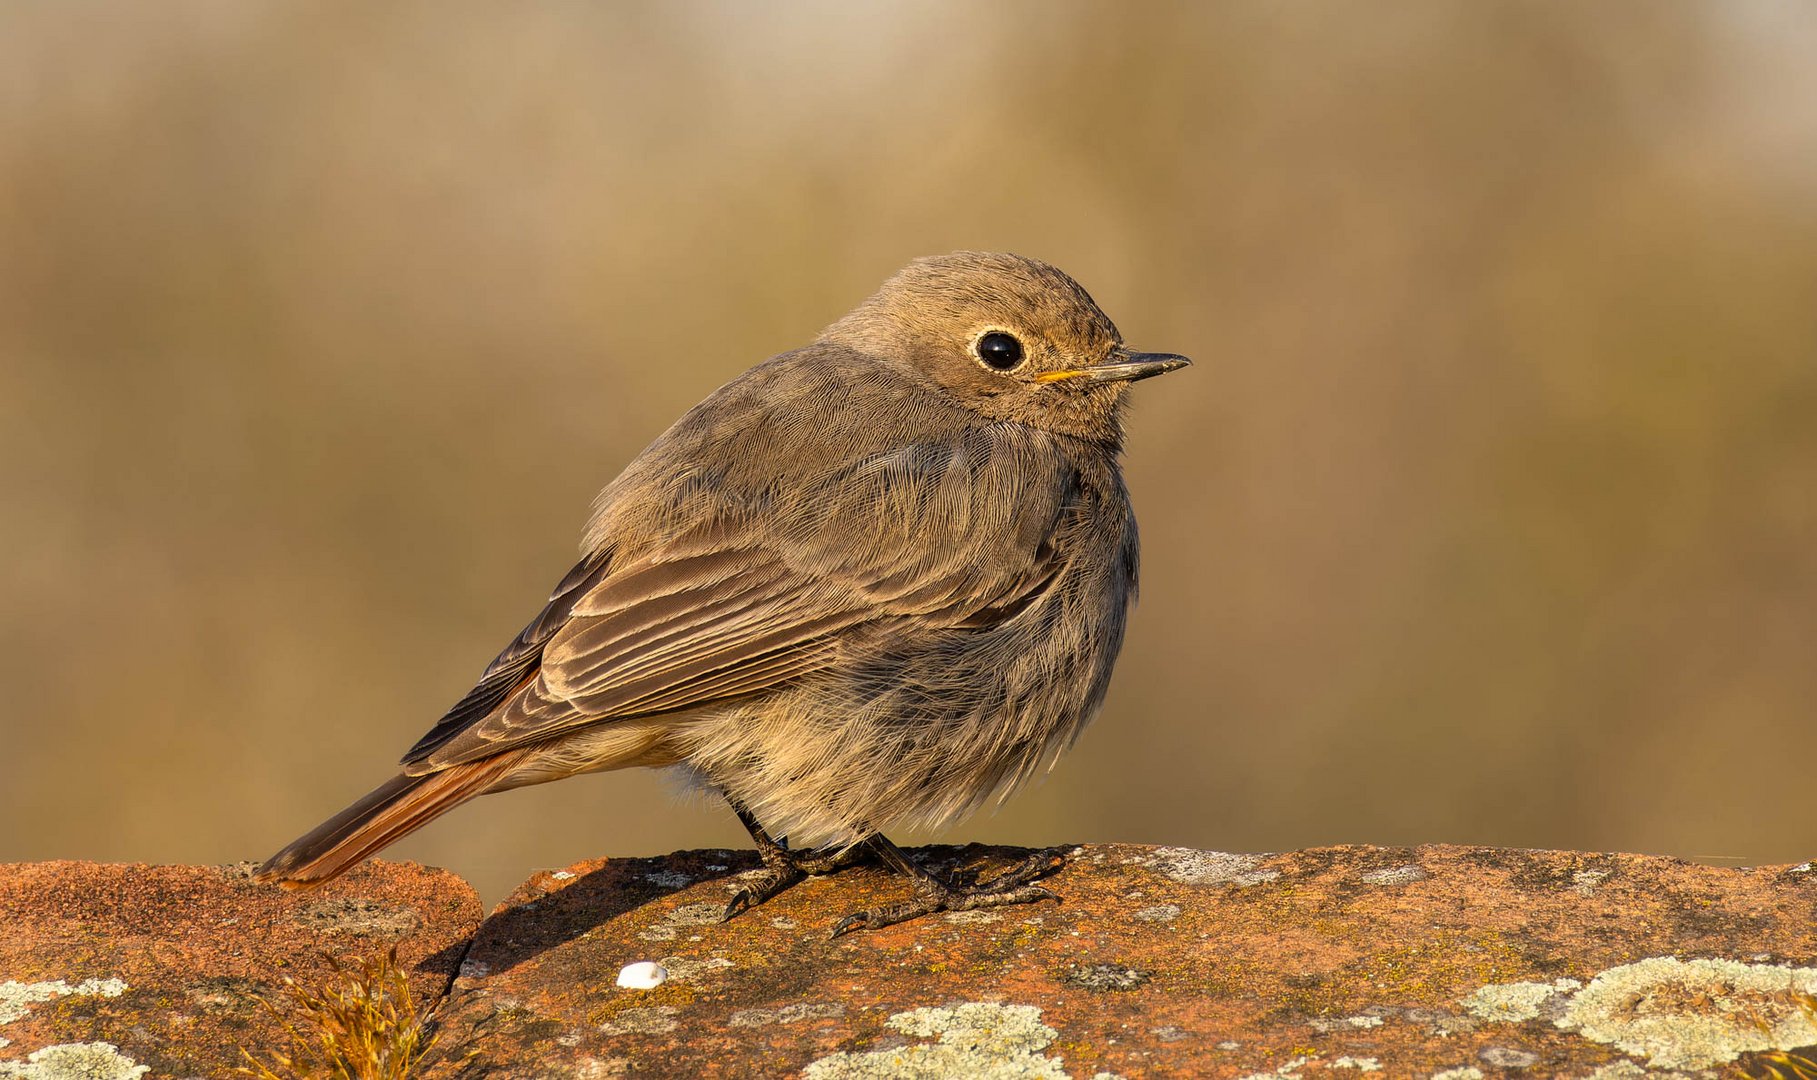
(872, 582)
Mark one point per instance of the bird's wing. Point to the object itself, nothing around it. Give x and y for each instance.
(517, 665)
(732, 608)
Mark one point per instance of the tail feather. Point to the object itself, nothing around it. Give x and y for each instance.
(388, 813)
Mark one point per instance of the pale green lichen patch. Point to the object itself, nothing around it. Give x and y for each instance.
(1395, 875)
(1194, 867)
(788, 1014)
(651, 1020)
(1678, 1014)
(977, 1040)
(1622, 1070)
(1159, 913)
(682, 918)
(1289, 1070)
(1518, 1001)
(75, 1061)
(1628, 1070)
(684, 967)
(1508, 1057)
(1692, 1014)
(17, 998)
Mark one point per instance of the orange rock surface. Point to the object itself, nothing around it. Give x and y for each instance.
(1445, 962)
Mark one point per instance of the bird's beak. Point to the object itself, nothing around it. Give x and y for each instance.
(1131, 366)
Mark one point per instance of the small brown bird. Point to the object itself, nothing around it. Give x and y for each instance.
(871, 582)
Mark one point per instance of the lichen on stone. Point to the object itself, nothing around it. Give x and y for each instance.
(1395, 875)
(1620, 1070)
(1288, 1070)
(75, 1061)
(474, 969)
(653, 1020)
(1346, 1023)
(788, 1014)
(1518, 1001)
(673, 922)
(1508, 1057)
(669, 879)
(1679, 1014)
(1628, 1070)
(1692, 1014)
(1105, 978)
(683, 967)
(1584, 882)
(17, 998)
(978, 1041)
(1194, 867)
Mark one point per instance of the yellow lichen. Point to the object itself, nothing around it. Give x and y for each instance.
(671, 993)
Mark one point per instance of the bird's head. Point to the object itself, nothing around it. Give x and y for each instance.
(1010, 337)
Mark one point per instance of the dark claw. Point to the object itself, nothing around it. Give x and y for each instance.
(738, 905)
(775, 879)
(932, 895)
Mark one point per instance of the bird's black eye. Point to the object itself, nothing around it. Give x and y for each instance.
(999, 351)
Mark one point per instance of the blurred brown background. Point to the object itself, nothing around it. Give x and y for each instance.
(1489, 513)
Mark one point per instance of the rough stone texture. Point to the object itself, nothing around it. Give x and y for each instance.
(126, 970)
(1437, 961)
(1441, 962)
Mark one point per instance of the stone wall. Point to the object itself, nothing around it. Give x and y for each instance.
(1443, 962)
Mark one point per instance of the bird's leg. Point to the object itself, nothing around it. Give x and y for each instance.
(782, 867)
(779, 869)
(1013, 886)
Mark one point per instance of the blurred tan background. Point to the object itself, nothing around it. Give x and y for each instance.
(1488, 515)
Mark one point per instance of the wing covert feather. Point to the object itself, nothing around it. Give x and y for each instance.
(946, 534)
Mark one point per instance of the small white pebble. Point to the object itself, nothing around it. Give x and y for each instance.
(562, 875)
(643, 975)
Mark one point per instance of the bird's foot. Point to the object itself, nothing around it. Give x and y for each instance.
(773, 880)
(1013, 886)
(783, 868)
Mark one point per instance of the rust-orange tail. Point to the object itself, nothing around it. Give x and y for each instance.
(391, 811)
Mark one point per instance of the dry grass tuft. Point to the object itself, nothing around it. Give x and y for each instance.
(359, 1024)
